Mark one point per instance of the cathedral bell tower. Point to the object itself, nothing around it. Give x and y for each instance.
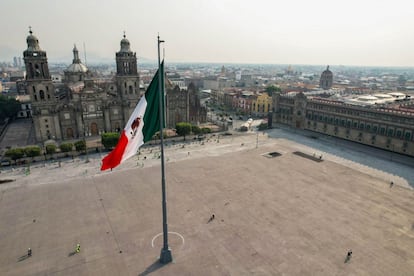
(35, 60)
(41, 90)
(127, 78)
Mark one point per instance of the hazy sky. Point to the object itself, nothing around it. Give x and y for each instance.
(348, 32)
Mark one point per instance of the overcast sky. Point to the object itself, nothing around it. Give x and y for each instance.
(348, 32)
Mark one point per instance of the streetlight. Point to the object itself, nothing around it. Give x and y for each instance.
(84, 139)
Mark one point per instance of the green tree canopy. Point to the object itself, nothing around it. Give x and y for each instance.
(15, 153)
(272, 88)
(80, 145)
(183, 129)
(196, 130)
(8, 107)
(109, 139)
(205, 130)
(32, 151)
(66, 147)
(50, 149)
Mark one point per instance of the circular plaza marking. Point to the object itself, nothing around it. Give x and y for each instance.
(174, 233)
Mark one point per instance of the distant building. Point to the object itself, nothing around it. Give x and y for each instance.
(183, 105)
(326, 79)
(382, 127)
(261, 104)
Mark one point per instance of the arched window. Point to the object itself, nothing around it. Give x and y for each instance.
(30, 69)
(37, 70)
(130, 89)
(42, 95)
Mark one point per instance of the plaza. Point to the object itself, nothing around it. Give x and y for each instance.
(285, 215)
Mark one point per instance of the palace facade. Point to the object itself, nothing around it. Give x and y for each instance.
(389, 128)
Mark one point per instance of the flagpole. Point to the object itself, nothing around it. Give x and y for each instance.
(165, 256)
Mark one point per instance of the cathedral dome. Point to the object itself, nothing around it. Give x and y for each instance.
(125, 45)
(326, 79)
(32, 42)
(76, 66)
(327, 72)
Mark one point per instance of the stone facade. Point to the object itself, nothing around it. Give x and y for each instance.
(84, 106)
(183, 105)
(386, 128)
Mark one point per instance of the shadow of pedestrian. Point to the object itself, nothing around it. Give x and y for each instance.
(22, 258)
(347, 259)
(71, 253)
(153, 267)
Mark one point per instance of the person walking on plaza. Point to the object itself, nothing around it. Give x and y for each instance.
(348, 256)
(29, 252)
(77, 250)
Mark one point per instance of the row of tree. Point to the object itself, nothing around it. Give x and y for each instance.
(34, 151)
(110, 139)
(184, 129)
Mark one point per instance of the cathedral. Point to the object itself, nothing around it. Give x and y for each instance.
(83, 106)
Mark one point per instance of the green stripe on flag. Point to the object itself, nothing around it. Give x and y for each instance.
(151, 116)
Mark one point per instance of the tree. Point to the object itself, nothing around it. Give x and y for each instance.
(109, 139)
(50, 149)
(196, 130)
(205, 130)
(15, 153)
(272, 88)
(66, 147)
(8, 107)
(183, 129)
(32, 151)
(80, 145)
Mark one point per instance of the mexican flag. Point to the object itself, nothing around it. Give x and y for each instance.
(141, 126)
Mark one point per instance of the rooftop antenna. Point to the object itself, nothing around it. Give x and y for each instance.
(84, 52)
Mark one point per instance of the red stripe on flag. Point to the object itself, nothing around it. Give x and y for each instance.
(115, 156)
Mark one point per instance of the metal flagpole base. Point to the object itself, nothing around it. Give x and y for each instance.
(165, 256)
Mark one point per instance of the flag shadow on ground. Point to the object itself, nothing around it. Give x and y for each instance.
(153, 267)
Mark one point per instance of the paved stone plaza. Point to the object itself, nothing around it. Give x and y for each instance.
(286, 215)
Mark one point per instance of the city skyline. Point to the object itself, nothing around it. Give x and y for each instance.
(368, 33)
